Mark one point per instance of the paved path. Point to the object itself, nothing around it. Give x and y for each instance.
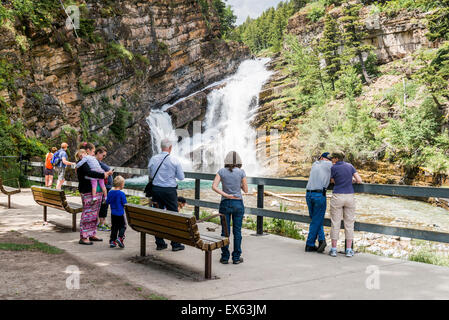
(275, 267)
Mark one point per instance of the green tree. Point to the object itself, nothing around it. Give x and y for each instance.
(354, 34)
(438, 22)
(226, 16)
(434, 74)
(329, 46)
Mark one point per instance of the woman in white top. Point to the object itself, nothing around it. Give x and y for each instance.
(233, 180)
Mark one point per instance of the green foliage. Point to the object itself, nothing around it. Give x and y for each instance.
(13, 140)
(85, 89)
(267, 31)
(349, 82)
(225, 15)
(121, 121)
(426, 255)
(438, 22)
(133, 200)
(116, 50)
(393, 7)
(353, 35)
(41, 14)
(315, 10)
(329, 47)
(35, 246)
(416, 138)
(304, 64)
(434, 73)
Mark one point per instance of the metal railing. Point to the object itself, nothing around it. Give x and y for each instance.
(260, 212)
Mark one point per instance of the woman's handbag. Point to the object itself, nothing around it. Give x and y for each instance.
(149, 187)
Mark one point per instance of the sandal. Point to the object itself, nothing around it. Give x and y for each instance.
(85, 242)
(95, 239)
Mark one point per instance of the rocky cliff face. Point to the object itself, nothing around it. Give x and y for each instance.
(137, 55)
(392, 38)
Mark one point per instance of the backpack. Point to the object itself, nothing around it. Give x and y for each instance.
(56, 159)
(48, 159)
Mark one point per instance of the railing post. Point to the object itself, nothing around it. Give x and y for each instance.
(260, 197)
(197, 197)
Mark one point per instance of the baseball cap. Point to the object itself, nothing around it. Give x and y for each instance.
(326, 155)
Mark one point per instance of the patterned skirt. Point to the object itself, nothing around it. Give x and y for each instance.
(88, 222)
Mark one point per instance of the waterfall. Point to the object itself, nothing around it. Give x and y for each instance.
(226, 126)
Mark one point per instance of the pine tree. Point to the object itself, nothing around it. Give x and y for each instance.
(354, 34)
(329, 46)
(438, 22)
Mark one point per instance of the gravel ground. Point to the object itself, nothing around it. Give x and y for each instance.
(35, 275)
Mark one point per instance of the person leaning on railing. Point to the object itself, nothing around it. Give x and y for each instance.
(233, 180)
(319, 179)
(342, 203)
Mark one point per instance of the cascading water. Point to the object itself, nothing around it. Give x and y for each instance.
(226, 126)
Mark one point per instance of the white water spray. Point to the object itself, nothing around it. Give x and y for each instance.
(226, 126)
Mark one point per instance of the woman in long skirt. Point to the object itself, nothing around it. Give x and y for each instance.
(91, 204)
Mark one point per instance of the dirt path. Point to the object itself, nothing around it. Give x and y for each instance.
(31, 270)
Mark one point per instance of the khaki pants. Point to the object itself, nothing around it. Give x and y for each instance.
(342, 206)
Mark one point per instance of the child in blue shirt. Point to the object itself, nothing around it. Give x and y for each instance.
(117, 200)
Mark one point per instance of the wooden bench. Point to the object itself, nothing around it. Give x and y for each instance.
(8, 190)
(176, 227)
(48, 197)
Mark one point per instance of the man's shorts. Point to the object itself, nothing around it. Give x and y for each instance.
(60, 171)
(49, 172)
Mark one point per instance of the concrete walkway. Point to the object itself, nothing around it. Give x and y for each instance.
(275, 267)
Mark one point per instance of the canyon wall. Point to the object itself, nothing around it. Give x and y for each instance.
(134, 56)
(392, 37)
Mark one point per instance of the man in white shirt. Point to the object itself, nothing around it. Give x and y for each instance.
(164, 192)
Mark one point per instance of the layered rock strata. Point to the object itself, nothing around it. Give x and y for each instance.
(102, 86)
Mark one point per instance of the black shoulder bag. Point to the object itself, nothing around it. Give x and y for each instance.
(149, 188)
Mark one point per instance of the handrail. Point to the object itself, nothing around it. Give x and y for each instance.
(260, 212)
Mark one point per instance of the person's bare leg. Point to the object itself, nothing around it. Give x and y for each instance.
(334, 243)
(348, 244)
(50, 181)
(46, 180)
(59, 184)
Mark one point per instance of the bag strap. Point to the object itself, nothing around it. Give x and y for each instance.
(160, 166)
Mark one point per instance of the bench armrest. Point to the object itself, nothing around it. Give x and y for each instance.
(13, 179)
(223, 221)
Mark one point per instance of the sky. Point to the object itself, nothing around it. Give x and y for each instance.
(253, 8)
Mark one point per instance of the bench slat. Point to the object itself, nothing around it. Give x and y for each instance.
(210, 238)
(158, 213)
(47, 190)
(9, 191)
(147, 218)
(51, 201)
(164, 235)
(158, 228)
(47, 195)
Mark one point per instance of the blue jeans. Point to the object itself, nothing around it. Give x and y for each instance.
(232, 209)
(316, 202)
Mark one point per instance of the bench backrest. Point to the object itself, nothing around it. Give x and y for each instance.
(165, 224)
(50, 197)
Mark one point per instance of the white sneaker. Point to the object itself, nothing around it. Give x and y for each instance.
(333, 252)
(349, 253)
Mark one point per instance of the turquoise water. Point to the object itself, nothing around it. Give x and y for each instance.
(189, 184)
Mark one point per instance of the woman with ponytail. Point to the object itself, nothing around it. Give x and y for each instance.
(233, 180)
